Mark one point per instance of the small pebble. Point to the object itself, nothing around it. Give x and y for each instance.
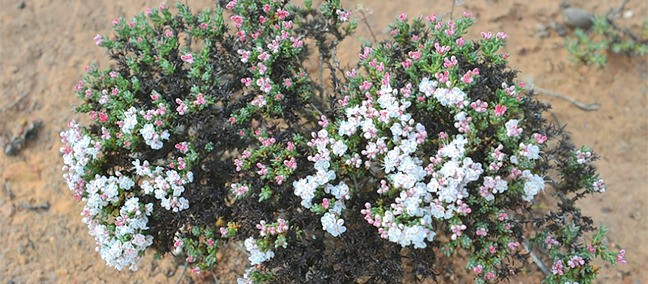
(559, 28)
(577, 18)
(541, 31)
(30, 131)
(7, 210)
(21, 5)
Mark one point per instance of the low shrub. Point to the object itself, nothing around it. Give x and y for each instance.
(204, 133)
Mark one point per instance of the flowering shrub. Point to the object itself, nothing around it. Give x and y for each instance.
(203, 134)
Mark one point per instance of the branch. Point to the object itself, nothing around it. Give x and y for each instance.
(536, 259)
(575, 102)
(364, 20)
(12, 104)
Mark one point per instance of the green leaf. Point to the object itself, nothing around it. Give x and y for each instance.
(265, 194)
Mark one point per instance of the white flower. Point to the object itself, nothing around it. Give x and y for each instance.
(534, 183)
(147, 131)
(152, 138)
(131, 205)
(126, 183)
(454, 97)
(409, 145)
(337, 208)
(396, 130)
(457, 97)
(341, 191)
(461, 116)
(416, 235)
(368, 129)
(305, 189)
(347, 128)
(427, 86)
(532, 152)
(455, 149)
(512, 129)
(394, 234)
(339, 148)
(130, 120)
(385, 90)
(391, 160)
(412, 205)
(599, 186)
(331, 224)
(500, 185)
(143, 169)
(256, 255)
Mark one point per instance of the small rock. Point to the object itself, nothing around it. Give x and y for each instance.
(21, 5)
(577, 18)
(17, 142)
(560, 29)
(7, 210)
(541, 31)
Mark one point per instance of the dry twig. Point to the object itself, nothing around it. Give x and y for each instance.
(183, 273)
(8, 190)
(14, 103)
(366, 22)
(536, 259)
(575, 102)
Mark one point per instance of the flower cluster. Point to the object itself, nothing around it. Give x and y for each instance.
(123, 240)
(272, 236)
(163, 182)
(426, 188)
(431, 182)
(268, 38)
(107, 165)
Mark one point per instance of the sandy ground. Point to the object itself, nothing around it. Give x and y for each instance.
(44, 46)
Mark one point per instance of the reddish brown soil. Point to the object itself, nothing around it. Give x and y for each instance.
(44, 46)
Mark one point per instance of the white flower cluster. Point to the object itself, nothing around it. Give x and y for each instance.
(409, 218)
(449, 183)
(246, 279)
(332, 224)
(121, 236)
(492, 186)
(166, 185)
(425, 192)
(121, 241)
(533, 184)
(256, 255)
(306, 187)
(123, 244)
(130, 120)
(120, 244)
(152, 137)
(78, 150)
